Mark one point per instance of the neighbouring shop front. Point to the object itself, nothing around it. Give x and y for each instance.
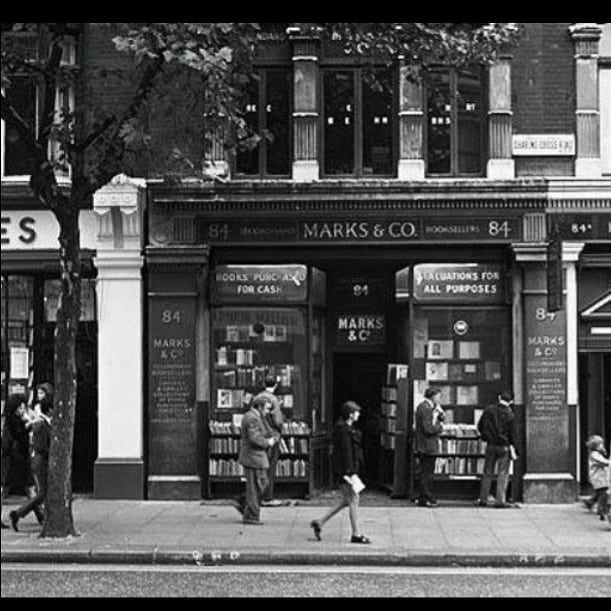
(340, 306)
(29, 301)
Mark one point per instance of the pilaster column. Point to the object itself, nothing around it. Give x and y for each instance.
(500, 159)
(411, 123)
(571, 252)
(586, 37)
(549, 380)
(175, 417)
(119, 468)
(215, 158)
(306, 111)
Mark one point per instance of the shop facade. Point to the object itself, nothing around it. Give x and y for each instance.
(334, 297)
(373, 250)
(30, 292)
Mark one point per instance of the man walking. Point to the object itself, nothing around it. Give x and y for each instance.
(496, 427)
(275, 420)
(256, 439)
(429, 425)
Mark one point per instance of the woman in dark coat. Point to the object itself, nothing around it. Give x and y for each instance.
(347, 461)
(14, 442)
(15, 446)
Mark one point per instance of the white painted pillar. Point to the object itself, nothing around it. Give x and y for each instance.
(119, 469)
(570, 256)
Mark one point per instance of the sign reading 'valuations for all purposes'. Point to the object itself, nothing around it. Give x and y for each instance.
(464, 283)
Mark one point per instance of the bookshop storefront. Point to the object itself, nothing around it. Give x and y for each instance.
(368, 309)
(30, 294)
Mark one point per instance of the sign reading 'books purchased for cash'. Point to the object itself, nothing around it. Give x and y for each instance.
(260, 284)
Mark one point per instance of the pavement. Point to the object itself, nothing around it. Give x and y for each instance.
(402, 534)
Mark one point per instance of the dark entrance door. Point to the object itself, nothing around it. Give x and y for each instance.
(359, 377)
(595, 403)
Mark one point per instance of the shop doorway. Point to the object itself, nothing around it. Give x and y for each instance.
(595, 403)
(360, 377)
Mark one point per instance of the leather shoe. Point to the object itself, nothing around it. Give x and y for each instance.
(505, 506)
(273, 503)
(317, 529)
(253, 522)
(429, 504)
(4, 525)
(480, 503)
(14, 520)
(360, 539)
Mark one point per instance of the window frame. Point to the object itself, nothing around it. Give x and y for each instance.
(357, 71)
(454, 126)
(262, 172)
(69, 58)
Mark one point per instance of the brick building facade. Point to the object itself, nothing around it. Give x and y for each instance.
(417, 228)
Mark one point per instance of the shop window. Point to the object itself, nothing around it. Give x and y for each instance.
(461, 337)
(455, 122)
(24, 94)
(17, 333)
(358, 124)
(267, 113)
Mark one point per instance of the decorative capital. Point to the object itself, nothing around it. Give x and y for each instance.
(119, 206)
(586, 37)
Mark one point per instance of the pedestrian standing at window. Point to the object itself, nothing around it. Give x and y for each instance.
(496, 426)
(255, 441)
(347, 461)
(429, 425)
(40, 426)
(275, 420)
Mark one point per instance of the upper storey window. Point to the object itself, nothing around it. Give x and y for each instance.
(455, 122)
(358, 123)
(267, 112)
(24, 94)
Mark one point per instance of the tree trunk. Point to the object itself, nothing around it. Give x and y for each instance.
(59, 521)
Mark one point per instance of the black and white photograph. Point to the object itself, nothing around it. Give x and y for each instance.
(306, 309)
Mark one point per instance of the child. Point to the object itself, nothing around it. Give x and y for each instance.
(598, 471)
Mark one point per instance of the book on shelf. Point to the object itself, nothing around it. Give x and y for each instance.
(469, 350)
(437, 372)
(396, 372)
(440, 350)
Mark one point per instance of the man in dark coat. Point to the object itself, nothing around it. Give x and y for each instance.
(256, 439)
(275, 420)
(429, 425)
(496, 427)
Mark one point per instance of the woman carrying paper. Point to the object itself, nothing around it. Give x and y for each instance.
(347, 461)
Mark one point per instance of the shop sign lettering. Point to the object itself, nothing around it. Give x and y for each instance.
(21, 230)
(544, 145)
(355, 329)
(378, 231)
(261, 283)
(459, 283)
